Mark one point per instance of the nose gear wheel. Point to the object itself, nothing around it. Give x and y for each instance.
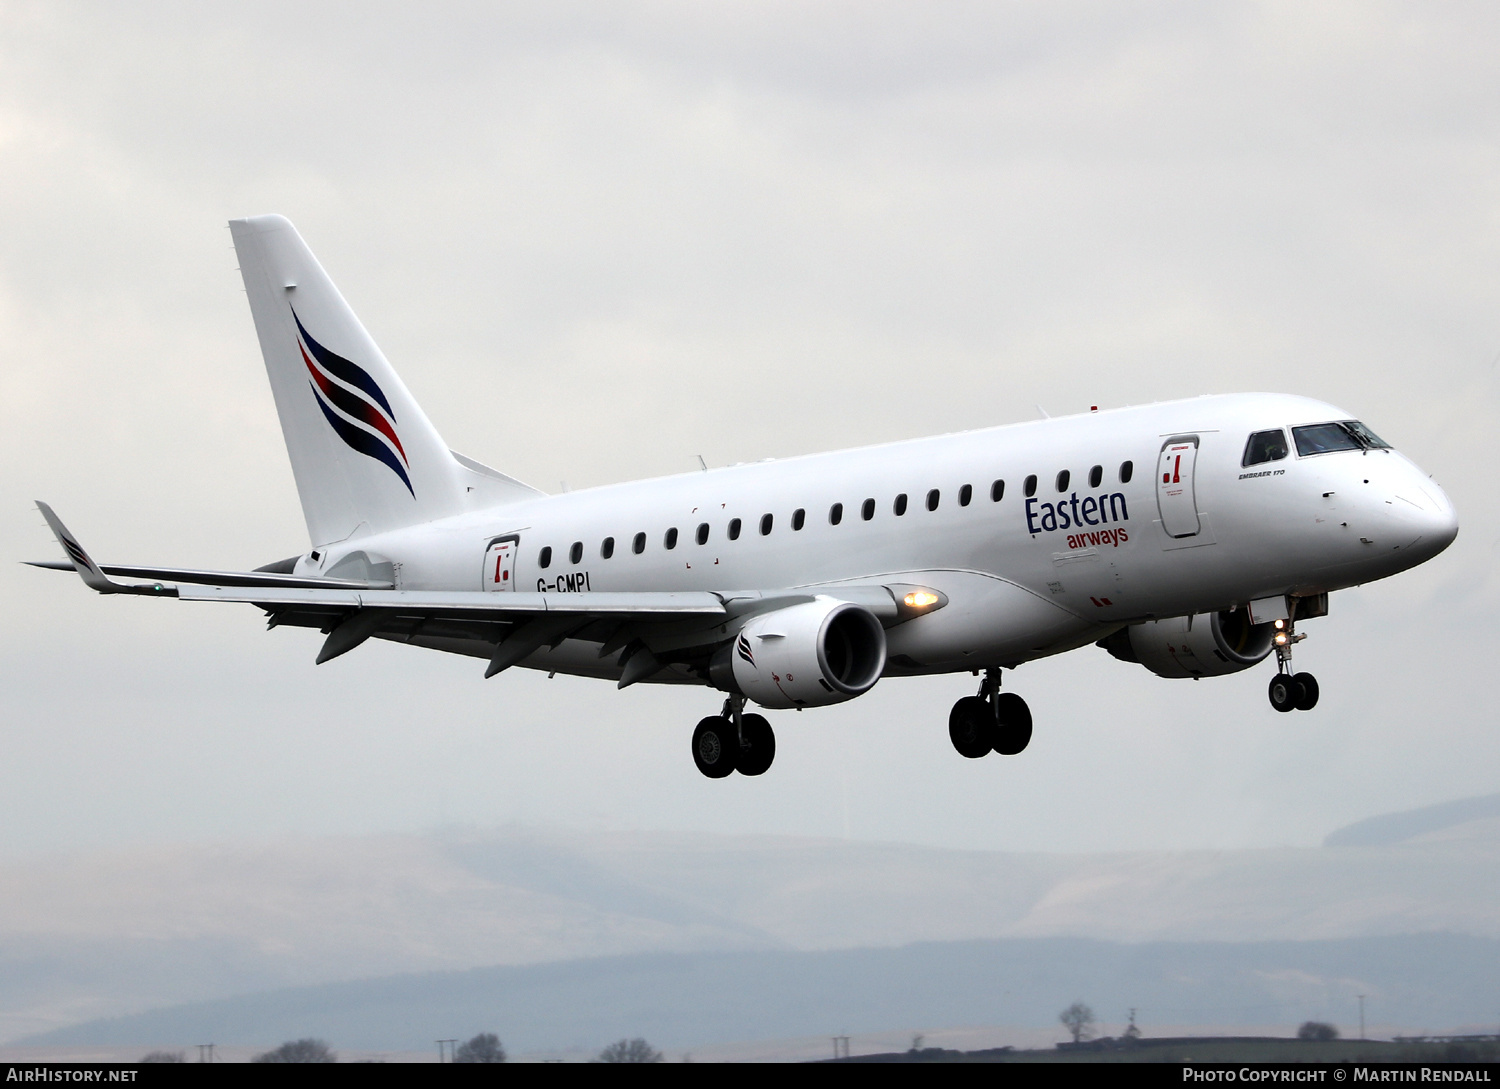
(1290, 691)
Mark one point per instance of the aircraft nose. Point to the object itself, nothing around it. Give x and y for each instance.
(1426, 508)
(1444, 521)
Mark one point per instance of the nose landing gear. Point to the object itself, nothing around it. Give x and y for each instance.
(733, 741)
(992, 721)
(1290, 691)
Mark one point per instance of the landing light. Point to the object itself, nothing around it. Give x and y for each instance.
(920, 599)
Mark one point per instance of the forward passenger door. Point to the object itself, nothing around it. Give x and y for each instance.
(1175, 499)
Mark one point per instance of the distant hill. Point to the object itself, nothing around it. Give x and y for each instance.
(122, 932)
(1389, 828)
(691, 1000)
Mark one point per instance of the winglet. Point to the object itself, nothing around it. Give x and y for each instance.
(87, 569)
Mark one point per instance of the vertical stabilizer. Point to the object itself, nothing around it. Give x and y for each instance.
(365, 457)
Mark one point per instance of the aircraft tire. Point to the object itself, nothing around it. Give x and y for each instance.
(1282, 692)
(1305, 696)
(971, 727)
(759, 746)
(715, 747)
(1012, 724)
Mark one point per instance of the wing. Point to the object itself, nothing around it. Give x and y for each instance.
(96, 576)
(210, 578)
(506, 628)
(644, 631)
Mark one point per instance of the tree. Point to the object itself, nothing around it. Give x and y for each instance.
(629, 1051)
(164, 1057)
(484, 1048)
(1079, 1020)
(1317, 1030)
(298, 1051)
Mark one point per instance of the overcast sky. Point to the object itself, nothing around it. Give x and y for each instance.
(598, 240)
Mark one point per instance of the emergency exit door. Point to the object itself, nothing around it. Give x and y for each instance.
(1175, 499)
(500, 564)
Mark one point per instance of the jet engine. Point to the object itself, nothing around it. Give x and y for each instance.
(821, 652)
(1205, 645)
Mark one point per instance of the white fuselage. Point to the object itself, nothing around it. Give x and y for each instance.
(1025, 576)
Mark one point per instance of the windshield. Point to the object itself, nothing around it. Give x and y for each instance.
(1366, 436)
(1329, 437)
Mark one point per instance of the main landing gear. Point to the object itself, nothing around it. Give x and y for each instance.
(992, 721)
(1290, 691)
(733, 741)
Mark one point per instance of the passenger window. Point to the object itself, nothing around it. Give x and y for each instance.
(799, 518)
(997, 491)
(1062, 480)
(965, 494)
(671, 539)
(867, 510)
(765, 525)
(576, 552)
(607, 549)
(734, 529)
(639, 544)
(1030, 486)
(544, 558)
(703, 533)
(1127, 470)
(899, 506)
(1096, 476)
(932, 499)
(1265, 446)
(1323, 439)
(835, 514)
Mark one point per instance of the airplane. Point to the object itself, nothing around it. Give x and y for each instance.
(1190, 537)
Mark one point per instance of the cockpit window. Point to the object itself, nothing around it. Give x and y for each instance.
(1265, 446)
(1323, 439)
(1366, 436)
(1329, 437)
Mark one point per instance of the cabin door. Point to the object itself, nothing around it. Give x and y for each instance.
(500, 564)
(1174, 486)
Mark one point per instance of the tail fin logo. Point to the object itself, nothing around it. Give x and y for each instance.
(354, 404)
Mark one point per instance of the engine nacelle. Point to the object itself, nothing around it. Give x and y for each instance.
(1205, 645)
(825, 651)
